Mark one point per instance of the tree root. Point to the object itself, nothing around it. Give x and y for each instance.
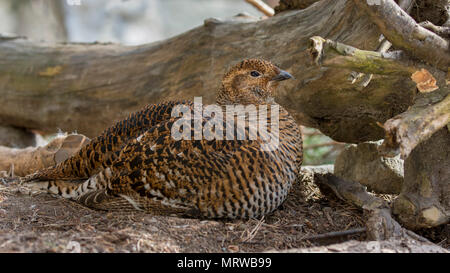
(439, 30)
(380, 224)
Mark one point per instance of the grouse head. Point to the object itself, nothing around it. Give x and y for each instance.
(252, 81)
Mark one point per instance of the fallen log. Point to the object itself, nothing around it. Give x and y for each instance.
(430, 111)
(88, 87)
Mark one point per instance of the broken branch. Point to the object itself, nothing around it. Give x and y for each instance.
(261, 6)
(405, 131)
(330, 53)
(383, 47)
(403, 32)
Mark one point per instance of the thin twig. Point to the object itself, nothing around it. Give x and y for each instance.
(335, 234)
(252, 234)
(261, 6)
(417, 236)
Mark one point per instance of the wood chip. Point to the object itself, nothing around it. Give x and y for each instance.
(424, 80)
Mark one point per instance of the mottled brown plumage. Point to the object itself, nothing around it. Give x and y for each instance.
(138, 162)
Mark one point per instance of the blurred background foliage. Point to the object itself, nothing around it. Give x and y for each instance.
(318, 148)
(133, 22)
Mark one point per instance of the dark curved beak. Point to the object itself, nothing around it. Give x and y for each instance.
(283, 75)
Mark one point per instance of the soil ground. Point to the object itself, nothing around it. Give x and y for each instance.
(39, 222)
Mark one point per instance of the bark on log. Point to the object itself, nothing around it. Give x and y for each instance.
(87, 87)
(262, 7)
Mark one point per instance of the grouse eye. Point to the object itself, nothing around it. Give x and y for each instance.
(255, 74)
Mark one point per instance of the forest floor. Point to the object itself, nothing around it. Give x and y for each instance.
(39, 222)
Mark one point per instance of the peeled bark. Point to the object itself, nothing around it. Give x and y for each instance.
(87, 87)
